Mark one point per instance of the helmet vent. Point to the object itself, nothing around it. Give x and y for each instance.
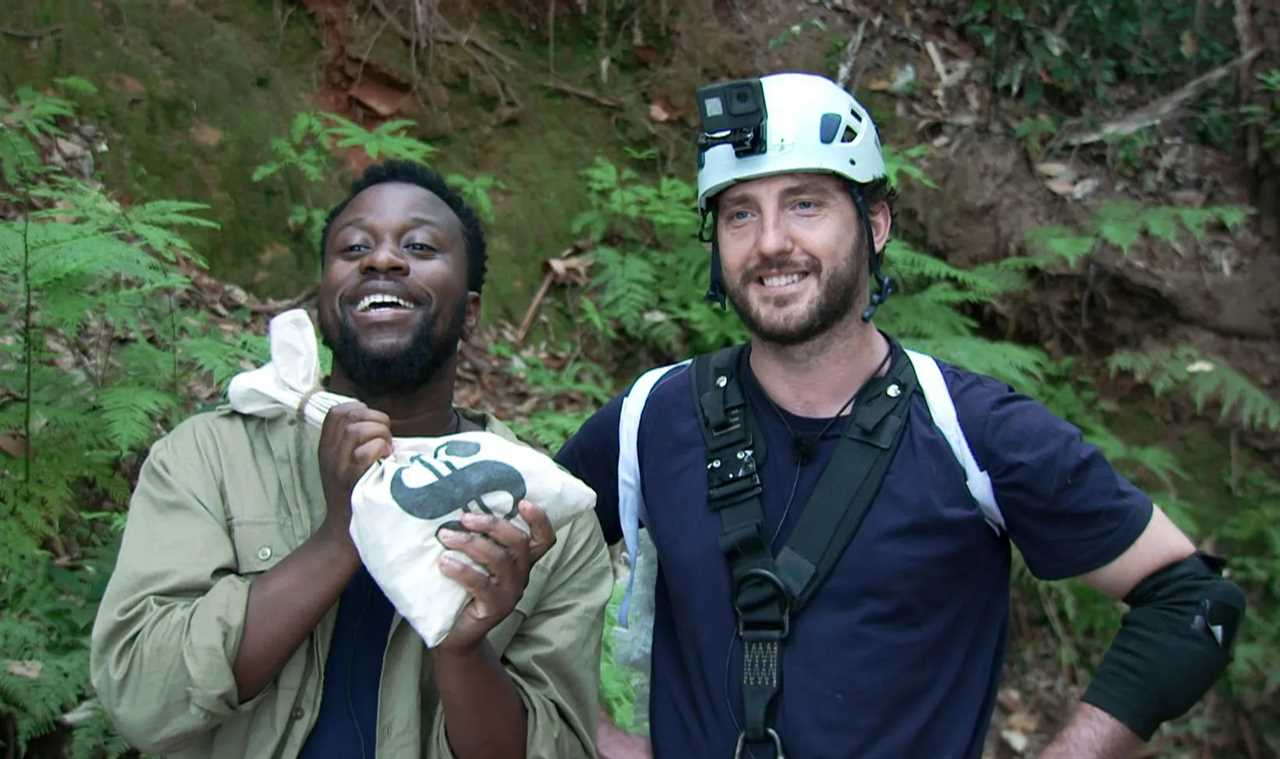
(855, 115)
(849, 135)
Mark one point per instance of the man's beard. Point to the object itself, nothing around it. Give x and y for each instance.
(408, 369)
(837, 294)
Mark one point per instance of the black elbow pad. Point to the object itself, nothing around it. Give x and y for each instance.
(1172, 645)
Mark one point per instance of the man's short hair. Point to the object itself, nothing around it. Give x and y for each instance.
(407, 172)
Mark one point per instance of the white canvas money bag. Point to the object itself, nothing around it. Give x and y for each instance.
(399, 505)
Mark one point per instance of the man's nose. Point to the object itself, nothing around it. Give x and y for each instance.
(385, 258)
(775, 236)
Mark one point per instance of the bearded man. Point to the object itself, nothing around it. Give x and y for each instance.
(240, 620)
(834, 515)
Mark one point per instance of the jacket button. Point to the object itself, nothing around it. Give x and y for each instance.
(264, 553)
(296, 713)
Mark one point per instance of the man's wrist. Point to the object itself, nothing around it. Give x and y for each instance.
(337, 543)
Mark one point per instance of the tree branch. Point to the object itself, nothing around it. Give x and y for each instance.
(1161, 109)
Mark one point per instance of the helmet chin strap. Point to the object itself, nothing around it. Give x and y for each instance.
(884, 285)
(715, 289)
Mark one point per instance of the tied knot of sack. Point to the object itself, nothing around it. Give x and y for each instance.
(402, 502)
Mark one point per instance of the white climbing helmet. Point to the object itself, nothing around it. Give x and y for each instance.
(782, 123)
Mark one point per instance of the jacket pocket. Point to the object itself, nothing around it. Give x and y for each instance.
(259, 543)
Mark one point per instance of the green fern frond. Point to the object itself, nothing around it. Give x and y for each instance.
(1205, 380)
(1056, 242)
(129, 413)
(1119, 223)
(387, 140)
(918, 315)
(1019, 365)
(903, 162)
(906, 263)
(76, 84)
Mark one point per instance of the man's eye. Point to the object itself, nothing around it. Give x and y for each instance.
(739, 215)
(420, 247)
(806, 205)
(355, 247)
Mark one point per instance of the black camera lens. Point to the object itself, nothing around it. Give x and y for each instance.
(742, 101)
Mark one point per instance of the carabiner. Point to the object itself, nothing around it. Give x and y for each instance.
(777, 744)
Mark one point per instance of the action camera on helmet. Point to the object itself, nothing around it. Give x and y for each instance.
(733, 113)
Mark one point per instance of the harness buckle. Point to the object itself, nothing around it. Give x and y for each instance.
(773, 735)
(765, 629)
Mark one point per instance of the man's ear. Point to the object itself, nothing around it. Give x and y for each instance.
(472, 318)
(881, 224)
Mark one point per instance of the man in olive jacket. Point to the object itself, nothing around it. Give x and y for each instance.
(240, 621)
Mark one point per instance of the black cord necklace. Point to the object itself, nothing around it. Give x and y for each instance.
(803, 447)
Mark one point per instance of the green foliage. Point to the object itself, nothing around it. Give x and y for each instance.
(903, 162)
(475, 190)
(1265, 114)
(305, 157)
(1077, 52)
(92, 294)
(1123, 223)
(617, 685)
(650, 268)
(1035, 132)
(568, 393)
(1206, 380)
(796, 32)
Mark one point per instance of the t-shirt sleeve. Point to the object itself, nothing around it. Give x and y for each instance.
(1066, 509)
(591, 455)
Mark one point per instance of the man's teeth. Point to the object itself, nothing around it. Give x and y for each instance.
(781, 280)
(382, 301)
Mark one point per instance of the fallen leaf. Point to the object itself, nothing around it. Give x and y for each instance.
(205, 135)
(660, 111)
(13, 444)
(381, 98)
(1200, 367)
(1053, 169)
(127, 85)
(1017, 741)
(1063, 187)
(1085, 187)
(1010, 699)
(29, 669)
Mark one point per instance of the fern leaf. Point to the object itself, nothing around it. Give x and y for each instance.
(1120, 224)
(129, 411)
(1205, 380)
(76, 84)
(1058, 242)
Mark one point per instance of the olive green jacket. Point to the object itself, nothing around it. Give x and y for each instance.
(223, 498)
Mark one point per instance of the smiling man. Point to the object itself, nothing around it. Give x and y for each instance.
(240, 621)
(834, 515)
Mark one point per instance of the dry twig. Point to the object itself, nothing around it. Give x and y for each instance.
(1161, 109)
(32, 35)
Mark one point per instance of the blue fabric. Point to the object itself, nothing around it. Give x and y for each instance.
(347, 725)
(899, 652)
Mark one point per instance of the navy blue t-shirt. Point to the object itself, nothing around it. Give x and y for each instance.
(347, 724)
(898, 654)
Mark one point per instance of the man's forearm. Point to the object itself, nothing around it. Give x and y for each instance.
(285, 605)
(484, 715)
(1093, 734)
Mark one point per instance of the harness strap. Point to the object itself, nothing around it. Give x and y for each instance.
(765, 590)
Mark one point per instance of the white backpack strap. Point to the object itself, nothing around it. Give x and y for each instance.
(943, 411)
(630, 498)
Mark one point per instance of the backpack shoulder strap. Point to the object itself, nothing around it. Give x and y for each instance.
(631, 509)
(943, 411)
